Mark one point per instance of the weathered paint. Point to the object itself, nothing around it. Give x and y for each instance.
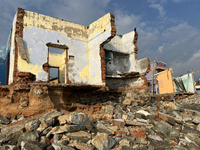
(165, 82)
(188, 83)
(158, 67)
(129, 63)
(198, 91)
(98, 32)
(12, 51)
(47, 23)
(83, 42)
(58, 60)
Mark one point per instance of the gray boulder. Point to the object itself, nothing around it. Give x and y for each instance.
(4, 120)
(34, 145)
(30, 135)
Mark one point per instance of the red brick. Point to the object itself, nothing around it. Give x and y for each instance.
(108, 116)
(118, 123)
(138, 134)
(161, 116)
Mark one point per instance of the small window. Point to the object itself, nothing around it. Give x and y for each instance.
(54, 74)
(108, 56)
(71, 57)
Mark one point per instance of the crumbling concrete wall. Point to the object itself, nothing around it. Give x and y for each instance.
(83, 44)
(123, 60)
(99, 32)
(125, 44)
(39, 30)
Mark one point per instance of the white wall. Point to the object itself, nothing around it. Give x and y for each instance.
(12, 51)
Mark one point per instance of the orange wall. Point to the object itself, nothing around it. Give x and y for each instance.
(165, 82)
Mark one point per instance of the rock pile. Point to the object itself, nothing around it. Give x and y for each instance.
(130, 125)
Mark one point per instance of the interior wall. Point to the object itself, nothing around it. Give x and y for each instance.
(39, 30)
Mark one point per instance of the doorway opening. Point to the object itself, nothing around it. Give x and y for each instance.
(57, 65)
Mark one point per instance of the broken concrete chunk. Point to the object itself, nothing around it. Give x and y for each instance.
(127, 102)
(4, 120)
(30, 135)
(81, 136)
(103, 128)
(191, 136)
(142, 114)
(63, 119)
(134, 123)
(82, 119)
(108, 109)
(83, 146)
(103, 142)
(196, 120)
(34, 145)
(12, 133)
(31, 125)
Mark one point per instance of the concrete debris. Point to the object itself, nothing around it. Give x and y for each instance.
(134, 127)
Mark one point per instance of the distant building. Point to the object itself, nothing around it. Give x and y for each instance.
(197, 88)
(156, 67)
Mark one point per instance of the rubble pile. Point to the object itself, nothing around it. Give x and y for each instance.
(129, 125)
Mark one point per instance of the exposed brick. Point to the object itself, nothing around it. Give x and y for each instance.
(118, 123)
(138, 134)
(161, 116)
(108, 116)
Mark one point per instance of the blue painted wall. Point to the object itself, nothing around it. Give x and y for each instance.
(198, 91)
(3, 61)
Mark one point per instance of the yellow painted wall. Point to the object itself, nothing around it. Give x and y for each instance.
(23, 66)
(55, 59)
(165, 82)
(48, 23)
(54, 81)
(99, 26)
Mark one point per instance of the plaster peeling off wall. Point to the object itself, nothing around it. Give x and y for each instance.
(39, 30)
(118, 65)
(83, 43)
(98, 32)
(12, 51)
(124, 44)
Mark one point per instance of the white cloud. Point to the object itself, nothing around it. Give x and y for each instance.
(178, 1)
(179, 33)
(180, 50)
(160, 49)
(154, 1)
(159, 8)
(126, 23)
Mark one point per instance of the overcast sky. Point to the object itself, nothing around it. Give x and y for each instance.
(169, 30)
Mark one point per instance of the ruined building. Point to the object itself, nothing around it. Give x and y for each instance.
(46, 52)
